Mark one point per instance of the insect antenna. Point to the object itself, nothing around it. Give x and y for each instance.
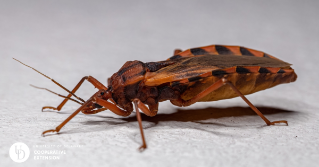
(52, 80)
(57, 94)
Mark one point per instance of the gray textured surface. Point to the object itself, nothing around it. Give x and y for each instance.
(69, 40)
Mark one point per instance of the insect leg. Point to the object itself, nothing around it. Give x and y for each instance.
(139, 104)
(92, 80)
(176, 51)
(216, 85)
(87, 112)
(112, 107)
(182, 103)
(253, 107)
(57, 129)
(118, 111)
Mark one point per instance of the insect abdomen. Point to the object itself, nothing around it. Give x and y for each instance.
(246, 83)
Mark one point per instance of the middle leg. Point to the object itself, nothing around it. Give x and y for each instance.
(138, 104)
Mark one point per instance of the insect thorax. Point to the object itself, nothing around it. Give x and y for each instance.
(127, 84)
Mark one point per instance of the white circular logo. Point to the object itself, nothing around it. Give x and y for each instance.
(19, 152)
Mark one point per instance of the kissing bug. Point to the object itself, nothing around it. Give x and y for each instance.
(207, 73)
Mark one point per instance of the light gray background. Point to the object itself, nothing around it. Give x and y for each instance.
(67, 40)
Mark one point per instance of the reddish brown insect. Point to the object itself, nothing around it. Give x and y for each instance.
(200, 74)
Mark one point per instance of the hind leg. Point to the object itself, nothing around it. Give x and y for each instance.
(215, 86)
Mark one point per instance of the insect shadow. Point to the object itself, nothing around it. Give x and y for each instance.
(182, 115)
(198, 115)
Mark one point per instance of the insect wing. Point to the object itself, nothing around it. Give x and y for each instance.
(193, 68)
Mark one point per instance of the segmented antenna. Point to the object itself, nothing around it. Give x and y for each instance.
(57, 94)
(52, 80)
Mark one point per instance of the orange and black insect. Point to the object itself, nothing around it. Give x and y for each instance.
(207, 73)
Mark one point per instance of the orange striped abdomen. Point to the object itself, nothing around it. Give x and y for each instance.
(246, 83)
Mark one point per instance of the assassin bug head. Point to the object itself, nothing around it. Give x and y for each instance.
(91, 106)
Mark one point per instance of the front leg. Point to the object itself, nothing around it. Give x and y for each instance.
(89, 112)
(112, 107)
(82, 108)
(91, 79)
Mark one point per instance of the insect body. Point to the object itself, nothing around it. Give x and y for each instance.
(200, 74)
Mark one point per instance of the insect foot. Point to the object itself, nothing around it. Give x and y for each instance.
(278, 122)
(52, 130)
(48, 107)
(142, 148)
